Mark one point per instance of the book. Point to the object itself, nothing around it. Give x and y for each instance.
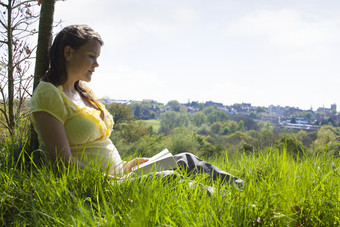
(164, 160)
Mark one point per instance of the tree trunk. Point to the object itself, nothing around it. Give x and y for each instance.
(44, 40)
(10, 71)
(42, 56)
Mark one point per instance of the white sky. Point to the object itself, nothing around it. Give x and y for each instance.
(263, 52)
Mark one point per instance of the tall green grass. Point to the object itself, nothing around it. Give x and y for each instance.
(279, 190)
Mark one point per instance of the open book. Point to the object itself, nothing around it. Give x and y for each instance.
(164, 160)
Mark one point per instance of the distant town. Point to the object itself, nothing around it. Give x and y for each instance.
(278, 116)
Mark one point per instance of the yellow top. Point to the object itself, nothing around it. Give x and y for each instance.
(87, 133)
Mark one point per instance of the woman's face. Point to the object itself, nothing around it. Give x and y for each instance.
(81, 63)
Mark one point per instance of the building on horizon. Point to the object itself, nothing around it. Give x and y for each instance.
(327, 110)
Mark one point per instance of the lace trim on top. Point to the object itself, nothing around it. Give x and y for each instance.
(106, 125)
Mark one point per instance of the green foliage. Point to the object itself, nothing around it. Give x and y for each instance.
(11, 151)
(213, 114)
(248, 123)
(233, 135)
(128, 136)
(200, 106)
(236, 137)
(145, 146)
(120, 113)
(154, 124)
(327, 140)
(234, 142)
(131, 131)
(209, 150)
(291, 144)
(256, 141)
(334, 148)
(171, 120)
(253, 115)
(307, 138)
(128, 132)
(247, 148)
(174, 105)
(182, 140)
(137, 112)
(12, 146)
(147, 109)
(199, 118)
(230, 127)
(266, 137)
(260, 109)
(204, 130)
(326, 135)
(183, 109)
(215, 127)
(241, 126)
(264, 125)
(21, 121)
(212, 122)
(328, 121)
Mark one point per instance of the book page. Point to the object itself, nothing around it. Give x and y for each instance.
(159, 155)
(166, 162)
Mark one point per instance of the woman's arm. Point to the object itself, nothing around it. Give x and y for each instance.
(54, 135)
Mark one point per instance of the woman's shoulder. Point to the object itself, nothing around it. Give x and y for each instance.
(45, 86)
(48, 98)
(47, 89)
(46, 92)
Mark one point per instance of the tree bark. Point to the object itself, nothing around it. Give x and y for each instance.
(42, 56)
(10, 71)
(44, 40)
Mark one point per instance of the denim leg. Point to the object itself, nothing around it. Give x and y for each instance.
(192, 163)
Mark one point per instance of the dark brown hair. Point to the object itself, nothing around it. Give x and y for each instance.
(74, 36)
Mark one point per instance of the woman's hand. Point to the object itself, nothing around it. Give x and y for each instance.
(134, 162)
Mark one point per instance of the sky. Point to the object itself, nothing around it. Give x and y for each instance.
(263, 52)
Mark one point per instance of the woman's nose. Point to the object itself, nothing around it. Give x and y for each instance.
(95, 64)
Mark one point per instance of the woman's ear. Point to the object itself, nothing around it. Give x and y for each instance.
(68, 53)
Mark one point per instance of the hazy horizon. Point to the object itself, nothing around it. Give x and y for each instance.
(164, 103)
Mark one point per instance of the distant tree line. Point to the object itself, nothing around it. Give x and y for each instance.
(210, 131)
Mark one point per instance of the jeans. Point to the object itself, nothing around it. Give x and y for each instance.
(192, 164)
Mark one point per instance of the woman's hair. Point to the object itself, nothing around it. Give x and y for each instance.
(74, 36)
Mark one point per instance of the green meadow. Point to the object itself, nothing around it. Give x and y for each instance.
(291, 179)
(279, 190)
(155, 124)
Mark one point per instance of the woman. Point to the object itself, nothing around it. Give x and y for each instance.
(71, 124)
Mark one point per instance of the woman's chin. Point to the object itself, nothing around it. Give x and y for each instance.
(87, 79)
